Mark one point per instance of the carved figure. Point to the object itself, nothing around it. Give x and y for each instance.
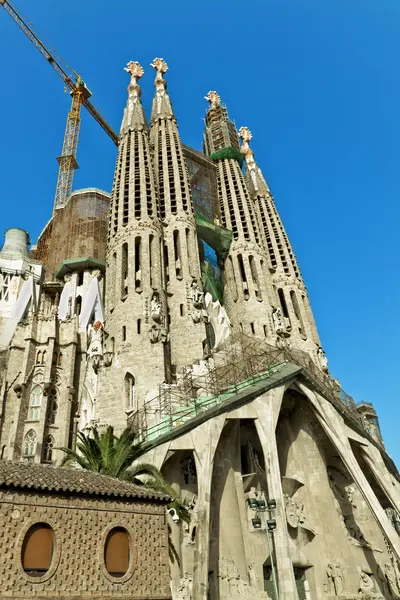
(156, 307)
(335, 578)
(196, 294)
(68, 313)
(154, 333)
(391, 579)
(278, 321)
(253, 575)
(95, 339)
(394, 518)
(185, 588)
(189, 534)
(322, 360)
(295, 514)
(366, 584)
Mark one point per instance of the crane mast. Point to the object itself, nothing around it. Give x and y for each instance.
(80, 96)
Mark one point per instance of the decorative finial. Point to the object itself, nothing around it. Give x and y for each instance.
(213, 98)
(246, 135)
(136, 72)
(161, 67)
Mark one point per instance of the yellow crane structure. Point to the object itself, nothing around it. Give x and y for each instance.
(80, 96)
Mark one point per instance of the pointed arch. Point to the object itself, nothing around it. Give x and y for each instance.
(29, 445)
(48, 448)
(35, 403)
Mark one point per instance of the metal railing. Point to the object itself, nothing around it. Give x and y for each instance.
(242, 362)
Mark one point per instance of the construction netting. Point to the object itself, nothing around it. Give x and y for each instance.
(76, 230)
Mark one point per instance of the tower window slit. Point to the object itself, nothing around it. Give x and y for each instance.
(138, 264)
(297, 312)
(232, 277)
(124, 333)
(282, 300)
(255, 278)
(139, 324)
(124, 270)
(151, 258)
(243, 276)
(177, 254)
(166, 263)
(125, 215)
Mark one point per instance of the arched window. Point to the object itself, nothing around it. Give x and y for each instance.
(39, 358)
(35, 402)
(44, 357)
(48, 449)
(130, 391)
(117, 552)
(52, 407)
(37, 550)
(29, 444)
(59, 361)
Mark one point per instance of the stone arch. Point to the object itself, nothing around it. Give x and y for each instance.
(321, 492)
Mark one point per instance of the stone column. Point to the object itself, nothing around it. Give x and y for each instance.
(205, 440)
(268, 407)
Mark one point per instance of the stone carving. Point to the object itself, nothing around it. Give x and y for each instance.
(189, 471)
(68, 313)
(197, 299)
(185, 588)
(214, 99)
(96, 274)
(135, 70)
(295, 514)
(253, 459)
(95, 339)
(391, 578)
(335, 578)
(189, 531)
(67, 277)
(156, 307)
(157, 333)
(394, 518)
(278, 321)
(253, 575)
(366, 585)
(245, 134)
(322, 360)
(219, 320)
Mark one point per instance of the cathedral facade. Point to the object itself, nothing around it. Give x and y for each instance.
(175, 305)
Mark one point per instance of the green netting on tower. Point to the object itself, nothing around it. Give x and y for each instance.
(215, 236)
(228, 152)
(215, 244)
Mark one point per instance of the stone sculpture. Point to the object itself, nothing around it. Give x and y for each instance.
(335, 578)
(295, 514)
(394, 518)
(390, 575)
(366, 585)
(278, 321)
(322, 360)
(185, 588)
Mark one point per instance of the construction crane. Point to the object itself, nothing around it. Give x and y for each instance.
(80, 96)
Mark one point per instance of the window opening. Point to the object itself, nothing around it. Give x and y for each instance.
(139, 323)
(48, 449)
(138, 261)
(177, 254)
(123, 333)
(37, 550)
(117, 552)
(30, 444)
(124, 270)
(35, 403)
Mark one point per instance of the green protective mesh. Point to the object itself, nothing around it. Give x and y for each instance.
(218, 240)
(215, 236)
(228, 152)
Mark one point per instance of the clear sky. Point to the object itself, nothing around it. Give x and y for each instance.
(318, 84)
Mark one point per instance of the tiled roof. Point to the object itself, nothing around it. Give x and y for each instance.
(30, 476)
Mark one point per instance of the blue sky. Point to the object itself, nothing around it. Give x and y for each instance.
(318, 84)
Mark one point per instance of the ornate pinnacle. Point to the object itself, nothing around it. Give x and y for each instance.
(161, 67)
(136, 72)
(213, 98)
(245, 134)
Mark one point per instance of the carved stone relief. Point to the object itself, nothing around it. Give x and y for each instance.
(335, 578)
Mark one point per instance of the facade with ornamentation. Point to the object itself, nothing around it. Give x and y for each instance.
(176, 306)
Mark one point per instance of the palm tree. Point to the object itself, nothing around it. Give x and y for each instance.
(117, 457)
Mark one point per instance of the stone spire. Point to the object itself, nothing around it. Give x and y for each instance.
(136, 311)
(248, 290)
(162, 107)
(134, 117)
(181, 257)
(291, 299)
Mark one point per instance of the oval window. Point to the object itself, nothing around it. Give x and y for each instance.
(37, 549)
(116, 552)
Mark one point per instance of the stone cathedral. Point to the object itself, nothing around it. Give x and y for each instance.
(175, 306)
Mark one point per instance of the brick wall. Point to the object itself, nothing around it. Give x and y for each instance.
(81, 525)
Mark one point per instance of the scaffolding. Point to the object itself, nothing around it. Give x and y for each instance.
(243, 362)
(77, 230)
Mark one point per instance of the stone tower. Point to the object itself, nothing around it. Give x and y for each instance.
(181, 256)
(248, 293)
(135, 317)
(292, 314)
